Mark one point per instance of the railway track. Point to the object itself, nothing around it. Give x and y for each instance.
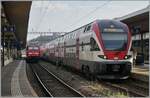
(52, 85)
(138, 85)
(142, 83)
(128, 88)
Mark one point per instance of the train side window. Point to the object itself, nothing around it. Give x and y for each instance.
(94, 45)
(88, 28)
(85, 29)
(69, 36)
(82, 46)
(72, 35)
(75, 35)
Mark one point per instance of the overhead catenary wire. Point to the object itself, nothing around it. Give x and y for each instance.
(90, 13)
(43, 15)
(40, 18)
(79, 20)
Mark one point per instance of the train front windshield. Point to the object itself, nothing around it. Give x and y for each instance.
(114, 35)
(115, 41)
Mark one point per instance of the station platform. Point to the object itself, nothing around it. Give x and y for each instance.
(14, 80)
(141, 72)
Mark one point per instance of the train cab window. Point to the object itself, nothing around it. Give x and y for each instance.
(94, 45)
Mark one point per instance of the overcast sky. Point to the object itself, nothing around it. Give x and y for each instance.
(65, 16)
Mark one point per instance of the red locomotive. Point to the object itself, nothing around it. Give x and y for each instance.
(32, 53)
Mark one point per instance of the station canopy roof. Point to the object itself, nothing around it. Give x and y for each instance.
(132, 17)
(17, 14)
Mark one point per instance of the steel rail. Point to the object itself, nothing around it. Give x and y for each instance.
(124, 89)
(62, 82)
(46, 91)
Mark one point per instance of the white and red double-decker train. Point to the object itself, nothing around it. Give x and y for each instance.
(100, 48)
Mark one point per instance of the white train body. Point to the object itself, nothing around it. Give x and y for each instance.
(100, 48)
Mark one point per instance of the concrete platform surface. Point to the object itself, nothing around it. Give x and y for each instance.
(141, 69)
(15, 81)
(141, 72)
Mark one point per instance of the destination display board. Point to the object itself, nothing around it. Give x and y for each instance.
(113, 30)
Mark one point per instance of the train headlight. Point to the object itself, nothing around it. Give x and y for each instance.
(127, 56)
(105, 57)
(102, 56)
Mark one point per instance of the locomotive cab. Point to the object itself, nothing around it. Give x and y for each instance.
(33, 53)
(115, 58)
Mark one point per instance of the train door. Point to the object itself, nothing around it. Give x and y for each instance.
(77, 54)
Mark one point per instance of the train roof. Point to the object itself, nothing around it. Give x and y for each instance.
(97, 20)
(74, 30)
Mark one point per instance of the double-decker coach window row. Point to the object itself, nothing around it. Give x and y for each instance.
(70, 55)
(72, 35)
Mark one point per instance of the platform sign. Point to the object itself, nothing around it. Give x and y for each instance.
(4, 29)
(12, 28)
(8, 29)
(8, 32)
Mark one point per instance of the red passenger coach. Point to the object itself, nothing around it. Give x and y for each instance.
(100, 48)
(33, 53)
